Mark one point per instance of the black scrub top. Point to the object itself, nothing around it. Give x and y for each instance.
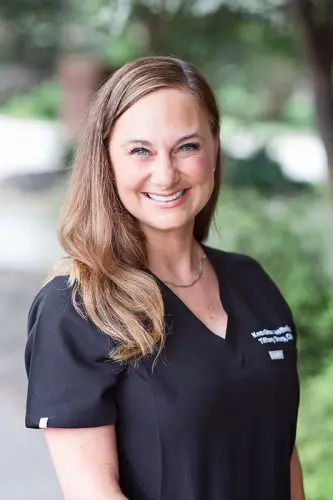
(214, 420)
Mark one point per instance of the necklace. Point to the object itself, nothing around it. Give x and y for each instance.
(200, 273)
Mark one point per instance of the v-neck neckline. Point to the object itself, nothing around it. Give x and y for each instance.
(223, 295)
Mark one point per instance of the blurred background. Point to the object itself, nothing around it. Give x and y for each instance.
(270, 63)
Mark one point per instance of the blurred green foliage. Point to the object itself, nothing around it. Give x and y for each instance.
(315, 434)
(251, 60)
(31, 32)
(260, 172)
(42, 102)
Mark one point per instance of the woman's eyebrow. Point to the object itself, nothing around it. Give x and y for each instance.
(137, 141)
(187, 137)
(144, 142)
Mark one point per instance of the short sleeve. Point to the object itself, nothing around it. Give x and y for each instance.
(71, 381)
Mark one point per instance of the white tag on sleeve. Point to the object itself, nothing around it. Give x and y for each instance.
(43, 422)
(276, 354)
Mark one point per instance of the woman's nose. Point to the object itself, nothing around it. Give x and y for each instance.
(165, 173)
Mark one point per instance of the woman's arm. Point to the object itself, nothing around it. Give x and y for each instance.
(86, 462)
(296, 477)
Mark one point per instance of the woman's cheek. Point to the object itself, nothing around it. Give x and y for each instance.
(202, 169)
(130, 177)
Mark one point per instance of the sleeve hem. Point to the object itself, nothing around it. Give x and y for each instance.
(54, 423)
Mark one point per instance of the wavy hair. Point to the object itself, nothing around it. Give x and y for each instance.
(106, 248)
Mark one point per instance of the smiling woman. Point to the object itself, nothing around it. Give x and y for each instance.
(142, 363)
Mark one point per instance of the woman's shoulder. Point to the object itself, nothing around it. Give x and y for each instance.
(240, 268)
(232, 261)
(55, 318)
(57, 286)
(54, 295)
(248, 274)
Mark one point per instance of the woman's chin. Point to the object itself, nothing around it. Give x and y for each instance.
(168, 225)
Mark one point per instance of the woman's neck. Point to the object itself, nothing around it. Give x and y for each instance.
(173, 256)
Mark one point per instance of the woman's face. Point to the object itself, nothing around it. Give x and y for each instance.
(163, 155)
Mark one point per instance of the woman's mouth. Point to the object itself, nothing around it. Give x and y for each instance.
(165, 198)
(172, 199)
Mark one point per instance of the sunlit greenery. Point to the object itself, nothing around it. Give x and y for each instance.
(41, 102)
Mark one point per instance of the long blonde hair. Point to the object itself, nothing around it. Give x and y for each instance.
(102, 240)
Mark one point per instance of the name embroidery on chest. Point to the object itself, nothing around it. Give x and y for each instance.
(282, 334)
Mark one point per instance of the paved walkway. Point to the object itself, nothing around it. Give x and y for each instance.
(28, 246)
(26, 472)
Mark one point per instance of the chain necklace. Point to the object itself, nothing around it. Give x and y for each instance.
(200, 273)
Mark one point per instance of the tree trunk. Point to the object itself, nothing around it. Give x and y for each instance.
(323, 91)
(316, 36)
(156, 26)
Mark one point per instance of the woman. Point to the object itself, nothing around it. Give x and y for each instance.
(160, 369)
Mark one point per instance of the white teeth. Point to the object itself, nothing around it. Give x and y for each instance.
(166, 198)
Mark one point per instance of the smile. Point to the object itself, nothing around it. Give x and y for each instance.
(166, 198)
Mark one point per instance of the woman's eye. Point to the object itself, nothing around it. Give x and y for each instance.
(139, 152)
(186, 148)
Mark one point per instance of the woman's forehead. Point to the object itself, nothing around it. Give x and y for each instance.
(171, 111)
